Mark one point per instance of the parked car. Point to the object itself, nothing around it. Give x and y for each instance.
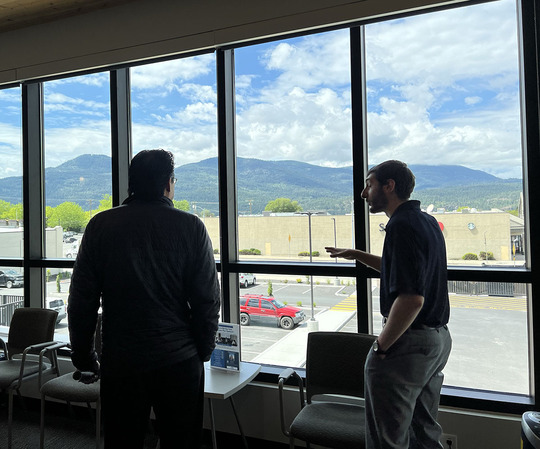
(270, 309)
(10, 278)
(57, 304)
(67, 235)
(71, 253)
(246, 278)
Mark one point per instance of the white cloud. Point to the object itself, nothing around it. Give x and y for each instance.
(473, 100)
(63, 144)
(100, 79)
(188, 145)
(442, 90)
(166, 74)
(58, 102)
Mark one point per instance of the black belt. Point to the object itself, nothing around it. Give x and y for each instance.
(424, 327)
(418, 326)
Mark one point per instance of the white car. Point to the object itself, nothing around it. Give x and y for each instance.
(59, 305)
(245, 279)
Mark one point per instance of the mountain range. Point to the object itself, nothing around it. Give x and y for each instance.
(87, 178)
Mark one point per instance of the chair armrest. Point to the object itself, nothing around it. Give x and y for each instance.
(284, 376)
(25, 353)
(53, 357)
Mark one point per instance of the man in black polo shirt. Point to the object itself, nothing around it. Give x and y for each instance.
(404, 368)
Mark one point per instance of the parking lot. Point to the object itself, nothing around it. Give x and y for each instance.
(485, 329)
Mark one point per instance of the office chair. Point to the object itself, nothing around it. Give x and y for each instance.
(334, 366)
(31, 332)
(66, 388)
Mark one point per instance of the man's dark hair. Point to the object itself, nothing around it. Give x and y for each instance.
(149, 173)
(399, 172)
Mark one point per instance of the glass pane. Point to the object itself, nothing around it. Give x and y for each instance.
(11, 209)
(488, 324)
(174, 108)
(78, 171)
(443, 96)
(277, 312)
(57, 282)
(294, 146)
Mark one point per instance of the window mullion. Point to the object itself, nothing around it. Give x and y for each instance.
(33, 192)
(228, 209)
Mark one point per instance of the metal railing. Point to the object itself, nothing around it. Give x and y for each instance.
(509, 289)
(8, 304)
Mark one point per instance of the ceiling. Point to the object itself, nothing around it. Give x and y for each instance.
(16, 14)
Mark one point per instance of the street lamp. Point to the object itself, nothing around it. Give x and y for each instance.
(336, 281)
(309, 213)
(335, 235)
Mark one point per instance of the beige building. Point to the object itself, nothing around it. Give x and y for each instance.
(284, 236)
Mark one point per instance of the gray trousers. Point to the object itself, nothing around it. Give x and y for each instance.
(402, 391)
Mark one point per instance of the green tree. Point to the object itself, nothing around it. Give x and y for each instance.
(182, 205)
(15, 212)
(105, 203)
(206, 213)
(4, 208)
(69, 215)
(49, 212)
(270, 289)
(283, 205)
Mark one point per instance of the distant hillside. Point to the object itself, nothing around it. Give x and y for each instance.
(87, 178)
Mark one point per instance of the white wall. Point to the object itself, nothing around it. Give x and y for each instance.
(149, 28)
(258, 408)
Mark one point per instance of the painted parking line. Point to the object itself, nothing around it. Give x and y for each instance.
(348, 304)
(488, 302)
(460, 302)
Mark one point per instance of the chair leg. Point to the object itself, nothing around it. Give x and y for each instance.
(10, 416)
(291, 442)
(42, 424)
(98, 423)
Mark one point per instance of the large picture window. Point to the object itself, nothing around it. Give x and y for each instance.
(441, 91)
(444, 96)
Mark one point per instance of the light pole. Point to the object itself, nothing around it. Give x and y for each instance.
(335, 235)
(336, 281)
(312, 325)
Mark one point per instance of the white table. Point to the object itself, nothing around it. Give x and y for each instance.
(222, 384)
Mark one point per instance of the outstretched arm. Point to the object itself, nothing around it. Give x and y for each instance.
(356, 254)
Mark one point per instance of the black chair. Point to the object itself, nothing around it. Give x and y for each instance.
(30, 336)
(66, 388)
(334, 367)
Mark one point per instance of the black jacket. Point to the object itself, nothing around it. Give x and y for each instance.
(153, 268)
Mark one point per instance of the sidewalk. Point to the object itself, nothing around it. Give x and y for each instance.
(291, 350)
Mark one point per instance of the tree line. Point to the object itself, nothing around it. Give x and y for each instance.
(69, 215)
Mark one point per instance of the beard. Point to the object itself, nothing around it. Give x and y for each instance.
(378, 203)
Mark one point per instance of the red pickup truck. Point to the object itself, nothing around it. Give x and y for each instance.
(270, 309)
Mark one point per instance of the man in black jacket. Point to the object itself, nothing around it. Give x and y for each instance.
(151, 268)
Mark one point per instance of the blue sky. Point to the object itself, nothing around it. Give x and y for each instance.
(442, 89)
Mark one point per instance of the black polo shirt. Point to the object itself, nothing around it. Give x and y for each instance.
(414, 262)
